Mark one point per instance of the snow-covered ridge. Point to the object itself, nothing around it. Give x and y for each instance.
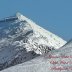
(21, 40)
(42, 63)
(55, 40)
(20, 24)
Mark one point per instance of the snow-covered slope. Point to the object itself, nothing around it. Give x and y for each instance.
(53, 40)
(21, 40)
(42, 63)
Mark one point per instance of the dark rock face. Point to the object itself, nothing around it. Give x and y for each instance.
(23, 57)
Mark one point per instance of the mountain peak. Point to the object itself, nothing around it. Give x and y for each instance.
(20, 16)
(21, 39)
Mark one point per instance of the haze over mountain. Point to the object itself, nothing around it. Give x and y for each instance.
(22, 40)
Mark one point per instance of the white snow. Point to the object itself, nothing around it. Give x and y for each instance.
(22, 34)
(53, 39)
(42, 63)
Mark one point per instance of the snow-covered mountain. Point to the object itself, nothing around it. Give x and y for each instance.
(42, 63)
(21, 40)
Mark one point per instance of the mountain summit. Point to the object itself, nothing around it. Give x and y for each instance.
(21, 39)
(43, 36)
